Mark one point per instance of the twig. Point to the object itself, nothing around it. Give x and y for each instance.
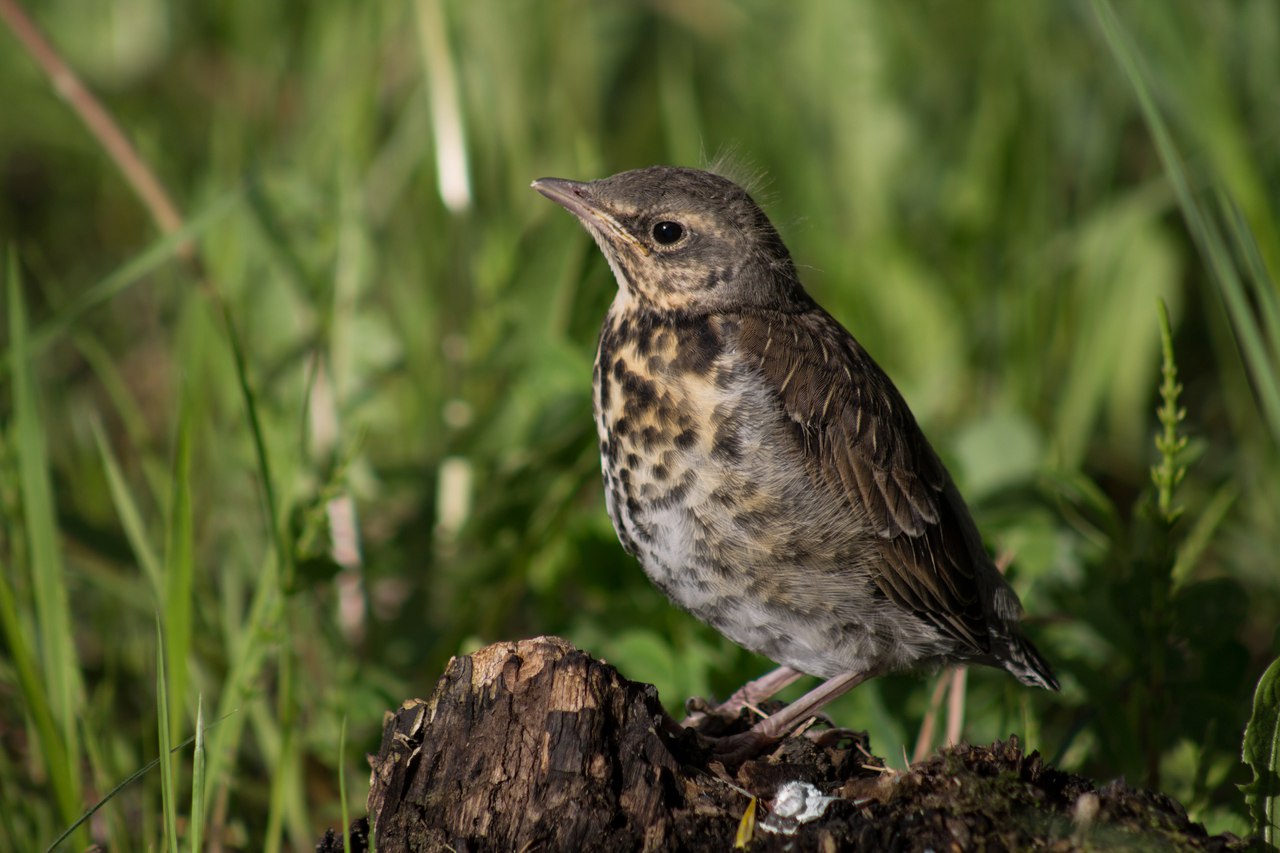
(924, 740)
(955, 705)
(99, 122)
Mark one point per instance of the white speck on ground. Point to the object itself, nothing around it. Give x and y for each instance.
(795, 803)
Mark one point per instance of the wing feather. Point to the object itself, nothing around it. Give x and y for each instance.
(870, 451)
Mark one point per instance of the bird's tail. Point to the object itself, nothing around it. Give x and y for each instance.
(1027, 664)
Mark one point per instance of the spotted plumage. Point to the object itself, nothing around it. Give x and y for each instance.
(763, 469)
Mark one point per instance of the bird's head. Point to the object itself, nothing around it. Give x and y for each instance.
(683, 239)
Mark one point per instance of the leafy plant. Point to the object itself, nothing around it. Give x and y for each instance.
(1262, 754)
(1162, 665)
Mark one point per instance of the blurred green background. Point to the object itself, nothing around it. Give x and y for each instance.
(395, 332)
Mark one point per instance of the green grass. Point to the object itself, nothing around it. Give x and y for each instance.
(993, 199)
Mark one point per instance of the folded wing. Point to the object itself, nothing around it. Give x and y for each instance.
(862, 442)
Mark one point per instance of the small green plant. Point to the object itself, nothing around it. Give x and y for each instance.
(1169, 472)
(1173, 667)
(1262, 754)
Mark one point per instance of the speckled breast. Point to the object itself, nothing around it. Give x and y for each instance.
(705, 485)
(655, 379)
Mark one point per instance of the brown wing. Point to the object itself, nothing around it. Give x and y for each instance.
(861, 439)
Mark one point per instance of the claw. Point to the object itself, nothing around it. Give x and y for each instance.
(833, 736)
(733, 750)
(704, 715)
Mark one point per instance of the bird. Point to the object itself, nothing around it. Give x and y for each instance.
(761, 466)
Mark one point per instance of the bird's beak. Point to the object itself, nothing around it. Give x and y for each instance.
(577, 198)
(573, 196)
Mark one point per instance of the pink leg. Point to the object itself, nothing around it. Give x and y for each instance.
(750, 694)
(778, 724)
(764, 687)
(735, 749)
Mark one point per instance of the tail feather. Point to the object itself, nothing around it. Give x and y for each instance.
(1010, 649)
(1026, 664)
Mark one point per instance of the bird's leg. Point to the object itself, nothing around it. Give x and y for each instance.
(776, 725)
(757, 691)
(771, 729)
(748, 695)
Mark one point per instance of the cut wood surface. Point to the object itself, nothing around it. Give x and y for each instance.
(535, 745)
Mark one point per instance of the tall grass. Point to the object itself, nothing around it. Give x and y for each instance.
(993, 199)
(49, 675)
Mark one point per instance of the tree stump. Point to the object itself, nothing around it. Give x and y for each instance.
(534, 745)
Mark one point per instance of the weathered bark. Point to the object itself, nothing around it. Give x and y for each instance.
(534, 745)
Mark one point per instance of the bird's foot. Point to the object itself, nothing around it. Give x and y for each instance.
(733, 750)
(717, 719)
(709, 718)
(833, 736)
(698, 706)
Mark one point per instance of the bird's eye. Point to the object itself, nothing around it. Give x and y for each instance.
(667, 232)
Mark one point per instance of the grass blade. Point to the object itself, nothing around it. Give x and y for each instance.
(168, 788)
(134, 271)
(342, 786)
(1203, 228)
(34, 699)
(271, 506)
(59, 671)
(196, 835)
(127, 509)
(124, 783)
(247, 652)
(179, 568)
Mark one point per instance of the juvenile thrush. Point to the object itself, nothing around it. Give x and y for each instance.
(764, 470)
